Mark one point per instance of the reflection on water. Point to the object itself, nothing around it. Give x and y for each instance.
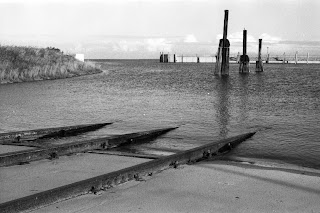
(244, 95)
(223, 104)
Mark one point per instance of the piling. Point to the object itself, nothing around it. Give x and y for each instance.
(165, 58)
(238, 58)
(307, 58)
(244, 59)
(174, 58)
(181, 58)
(161, 57)
(198, 59)
(222, 63)
(259, 64)
(284, 57)
(296, 58)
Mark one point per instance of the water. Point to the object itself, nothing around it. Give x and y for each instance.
(281, 104)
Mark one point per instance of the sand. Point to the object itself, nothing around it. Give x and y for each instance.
(23, 180)
(209, 186)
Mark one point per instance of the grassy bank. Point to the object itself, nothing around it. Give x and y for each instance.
(18, 64)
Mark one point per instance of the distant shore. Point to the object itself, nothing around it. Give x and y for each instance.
(20, 64)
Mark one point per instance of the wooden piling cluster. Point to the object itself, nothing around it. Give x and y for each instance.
(164, 58)
(223, 52)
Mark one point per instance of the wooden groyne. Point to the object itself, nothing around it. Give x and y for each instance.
(103, 182)
(49, 132)
(20, 157)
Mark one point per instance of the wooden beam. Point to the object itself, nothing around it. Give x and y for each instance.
(108, 180)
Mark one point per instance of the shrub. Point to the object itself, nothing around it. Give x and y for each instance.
(19, 64)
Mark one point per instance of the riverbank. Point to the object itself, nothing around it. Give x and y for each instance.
(209, 186)
(19, 64)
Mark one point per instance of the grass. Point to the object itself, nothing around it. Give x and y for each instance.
(18, 64)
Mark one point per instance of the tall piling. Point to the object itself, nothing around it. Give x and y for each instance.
(259, 64)
(244, 59)
(161, 57)
(174, 58)
(222, 62)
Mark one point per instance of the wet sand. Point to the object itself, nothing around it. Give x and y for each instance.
(209, 186)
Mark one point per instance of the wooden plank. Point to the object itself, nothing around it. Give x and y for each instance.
(108, 180)
(19, 157)
(127, 154)
(49, 132)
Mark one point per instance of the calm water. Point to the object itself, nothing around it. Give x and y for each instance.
(282, 104)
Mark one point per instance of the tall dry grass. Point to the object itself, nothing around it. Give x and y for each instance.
(18, 64)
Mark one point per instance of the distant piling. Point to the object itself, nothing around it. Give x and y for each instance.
(259, 64)
(284, 57)
(296, 58)
(307, 58)
(222, 62)
(244, 59)
(164, 58)
(238, 58)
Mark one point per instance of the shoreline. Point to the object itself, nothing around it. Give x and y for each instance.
(51, 79)
(270, 164)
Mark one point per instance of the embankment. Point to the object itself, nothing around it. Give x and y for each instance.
(18, 64)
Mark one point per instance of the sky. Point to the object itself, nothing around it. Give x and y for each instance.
(131, 29)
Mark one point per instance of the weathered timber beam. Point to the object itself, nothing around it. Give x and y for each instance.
(50, 132)
(114, 178)
(126, 154)
(13, 158)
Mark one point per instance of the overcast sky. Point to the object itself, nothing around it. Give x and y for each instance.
(141, 29)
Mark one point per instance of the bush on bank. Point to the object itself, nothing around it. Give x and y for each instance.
(18, 64)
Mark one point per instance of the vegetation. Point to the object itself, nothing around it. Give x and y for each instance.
(19, 64)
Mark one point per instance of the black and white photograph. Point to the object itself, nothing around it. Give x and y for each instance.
(159, 106)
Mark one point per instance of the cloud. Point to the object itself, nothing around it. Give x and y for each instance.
(190, 39)
(237, 37)
(266, 38)
(157, 44)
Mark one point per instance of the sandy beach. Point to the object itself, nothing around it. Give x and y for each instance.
(23, 180)
(208, 186)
